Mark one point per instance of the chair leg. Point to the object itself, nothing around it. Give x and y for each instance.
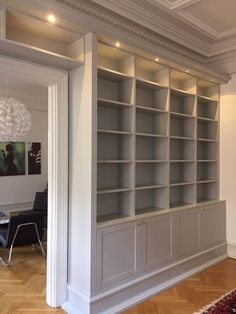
(4, 262)
(7, 263)
(39, 241)
(10, 254)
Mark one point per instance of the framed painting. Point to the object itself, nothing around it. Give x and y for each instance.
(34, 158)
(12, 158)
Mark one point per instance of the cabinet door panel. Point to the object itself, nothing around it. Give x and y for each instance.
(116, 254)
(158, 241)
(186, 232)
(212, 224)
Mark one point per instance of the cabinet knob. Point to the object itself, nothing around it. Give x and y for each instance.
(144, 221)
(138, 223)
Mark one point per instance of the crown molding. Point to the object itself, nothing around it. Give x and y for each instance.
(204, 28)
(203, 39)
(171, 28)
(176, 5)
(224, 63)
(87, 16)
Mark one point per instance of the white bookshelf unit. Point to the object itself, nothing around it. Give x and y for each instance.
(146, 155)
(157, 136)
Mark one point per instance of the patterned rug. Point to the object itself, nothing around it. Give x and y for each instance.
(224, 305)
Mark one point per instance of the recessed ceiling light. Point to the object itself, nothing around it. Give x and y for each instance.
(51, 18)
(157, 59)
(117, 44)
(187, 70)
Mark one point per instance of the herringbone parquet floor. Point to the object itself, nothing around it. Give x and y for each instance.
(193, 293)
(23, 283)
(22, 288)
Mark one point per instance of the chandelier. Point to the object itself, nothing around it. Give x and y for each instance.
(15, 120)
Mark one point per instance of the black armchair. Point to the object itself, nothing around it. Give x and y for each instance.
(41, 205)
(23, 229)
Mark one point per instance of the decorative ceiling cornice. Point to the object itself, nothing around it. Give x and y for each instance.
(199, 36)
(157, 24)
(176, 5)
(88, 16)
(126, 24)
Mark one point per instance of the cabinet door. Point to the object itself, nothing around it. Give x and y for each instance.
(212, 224)
(154, 242)
(115, 254)
(185, 232)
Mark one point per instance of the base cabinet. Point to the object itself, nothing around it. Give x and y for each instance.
(128, 250)
(198, 229)
(185, 232)
(212, 224)
(116, 256)
(153, 245)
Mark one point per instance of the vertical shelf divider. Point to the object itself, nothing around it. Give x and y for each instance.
(195, 146)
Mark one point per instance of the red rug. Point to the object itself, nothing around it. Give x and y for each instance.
(224, 305)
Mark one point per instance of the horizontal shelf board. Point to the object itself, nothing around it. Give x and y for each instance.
(151, 135)
(206, 119)
(180, 92)
(150, 109)
(181, 115)
(111, 161)
(153, 186)
(206, 181)
(113, 103)
(207, 99)
(182, 160)
(212, 160)
(109, 74)
(104, 218)
(150, 160)
(182, 137)
(207, 160)
(206, 140)
(204, 200)
(113, 190)
(181, 183)
(37, 55)
(179, 204)
(145, 210)
(142, 83)
(114, 132)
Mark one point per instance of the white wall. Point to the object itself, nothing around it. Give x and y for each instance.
(228, 158)
(19, 191)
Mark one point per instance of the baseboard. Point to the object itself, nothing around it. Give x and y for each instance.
(119, 298)
(232, 249)
(6, 208)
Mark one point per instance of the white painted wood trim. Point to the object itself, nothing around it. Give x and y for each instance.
(80, 303)
(58, 189)
(57, 81)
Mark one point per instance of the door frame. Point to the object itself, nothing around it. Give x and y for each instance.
(57, 83)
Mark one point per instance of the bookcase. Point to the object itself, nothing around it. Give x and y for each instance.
(157, 136)
(144, 176)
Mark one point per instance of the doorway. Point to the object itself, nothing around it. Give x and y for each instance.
(57, 84)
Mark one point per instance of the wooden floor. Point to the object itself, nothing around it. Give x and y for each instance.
(22, 288)
(23, 283)
(193, 293)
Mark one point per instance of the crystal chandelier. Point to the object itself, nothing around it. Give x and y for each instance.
(15, 120)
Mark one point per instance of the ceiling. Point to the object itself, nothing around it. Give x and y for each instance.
(210, 25)
(215, 18)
